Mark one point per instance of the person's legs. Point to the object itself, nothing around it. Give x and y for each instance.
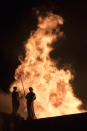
(13, 107)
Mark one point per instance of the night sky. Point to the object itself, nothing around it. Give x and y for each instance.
(17, 20)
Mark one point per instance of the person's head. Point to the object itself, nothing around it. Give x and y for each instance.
(15, 88)
(30, 89)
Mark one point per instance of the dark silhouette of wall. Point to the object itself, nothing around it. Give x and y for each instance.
(9, 122)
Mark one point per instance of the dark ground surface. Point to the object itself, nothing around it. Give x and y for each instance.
(70, 122)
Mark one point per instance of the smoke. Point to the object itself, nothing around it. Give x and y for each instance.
(5, 102)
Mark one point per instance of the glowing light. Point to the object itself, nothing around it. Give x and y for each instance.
(54, 94)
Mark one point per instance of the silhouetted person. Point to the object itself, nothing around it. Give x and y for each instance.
(15, 100)
(30, 101)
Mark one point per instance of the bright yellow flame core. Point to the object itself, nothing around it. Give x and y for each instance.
(54, 94)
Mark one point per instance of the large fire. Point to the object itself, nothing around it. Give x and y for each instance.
(54, 94)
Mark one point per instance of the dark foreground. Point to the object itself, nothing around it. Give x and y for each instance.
(70, 122)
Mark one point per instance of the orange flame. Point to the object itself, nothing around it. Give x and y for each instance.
(53, 91)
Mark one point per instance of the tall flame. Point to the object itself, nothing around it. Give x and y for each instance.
(54, 94)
